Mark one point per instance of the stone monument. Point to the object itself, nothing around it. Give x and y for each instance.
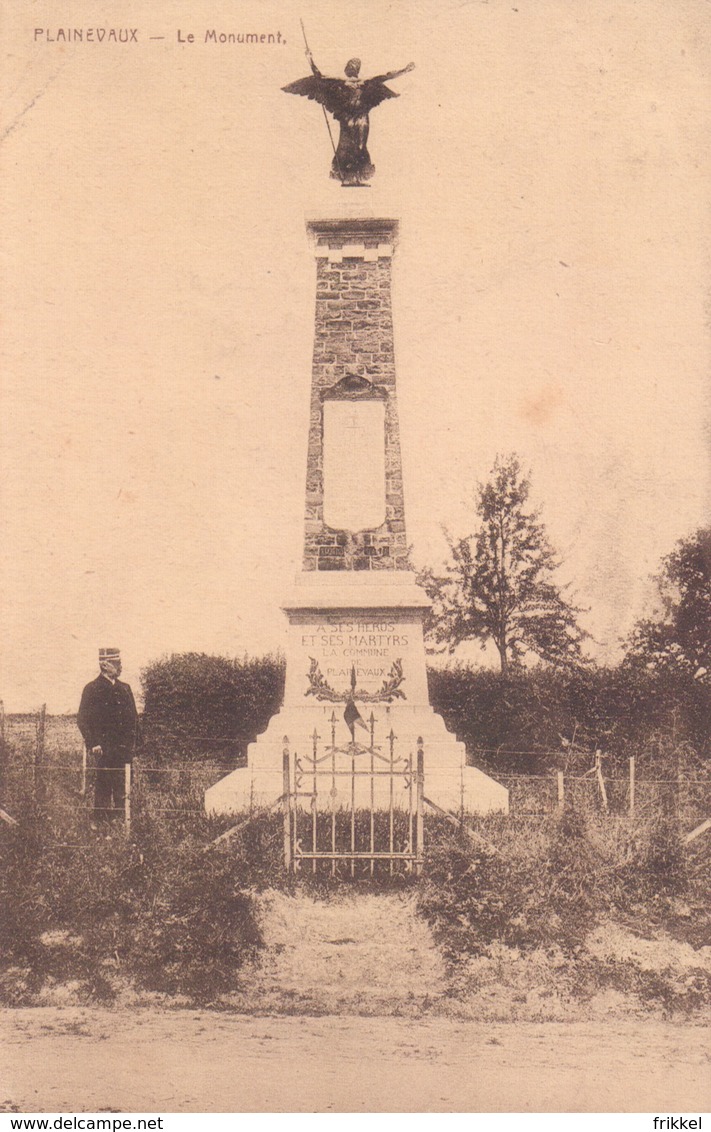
(355, 654)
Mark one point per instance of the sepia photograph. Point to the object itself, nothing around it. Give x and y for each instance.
(355, 559)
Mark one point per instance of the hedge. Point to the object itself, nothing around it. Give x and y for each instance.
(197, 704)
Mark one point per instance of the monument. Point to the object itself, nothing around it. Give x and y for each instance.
(355, 655)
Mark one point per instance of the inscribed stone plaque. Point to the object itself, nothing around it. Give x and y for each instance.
(354, 464)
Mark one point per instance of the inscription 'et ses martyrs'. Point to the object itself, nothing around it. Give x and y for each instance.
(355, 638)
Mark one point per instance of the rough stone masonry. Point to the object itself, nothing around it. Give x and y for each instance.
(354, 339)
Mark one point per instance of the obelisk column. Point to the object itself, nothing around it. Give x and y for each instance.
(355, 607)
(353, 389)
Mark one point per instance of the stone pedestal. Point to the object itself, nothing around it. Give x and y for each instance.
(364, 628)
(355, 614)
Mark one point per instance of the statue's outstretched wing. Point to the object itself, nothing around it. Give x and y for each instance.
(329, 92)
(374, 91)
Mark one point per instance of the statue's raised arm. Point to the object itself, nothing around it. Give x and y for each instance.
(313, 66)
(350, 101)
(392, 74)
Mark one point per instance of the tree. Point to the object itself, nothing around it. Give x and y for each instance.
(678, 639)
(499, 583)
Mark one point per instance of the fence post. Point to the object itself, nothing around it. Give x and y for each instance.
(286, 805)
(127, 797)
(632, 784)
(561, 790)
(600, 778)
(3, 748)
(38, 779)
(82, 788)
(420, 806)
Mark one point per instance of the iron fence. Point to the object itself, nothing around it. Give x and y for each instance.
(354, 808)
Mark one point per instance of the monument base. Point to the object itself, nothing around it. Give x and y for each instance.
(358, 636)
(449, 782)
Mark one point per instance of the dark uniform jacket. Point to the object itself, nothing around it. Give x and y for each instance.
(108, 718)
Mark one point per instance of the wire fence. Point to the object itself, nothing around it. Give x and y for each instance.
(59, 786)
(533, 795)
(43, 760)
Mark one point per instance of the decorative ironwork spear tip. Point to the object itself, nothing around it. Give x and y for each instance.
(285, 740)
(353, 677)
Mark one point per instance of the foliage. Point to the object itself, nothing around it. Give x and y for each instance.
(622, 710)
(548, 885)
(499, 584)
(195, 702)
(540, 891)
(678, 640)
(527, 892)
(158, 912)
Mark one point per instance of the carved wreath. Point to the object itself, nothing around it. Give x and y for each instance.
(322, 690)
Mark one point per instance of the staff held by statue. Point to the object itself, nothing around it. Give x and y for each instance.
(350, 101)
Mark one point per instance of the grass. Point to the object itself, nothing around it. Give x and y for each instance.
(160, 911)
(543, 892)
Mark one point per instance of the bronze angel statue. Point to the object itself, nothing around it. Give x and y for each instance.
(349, 100)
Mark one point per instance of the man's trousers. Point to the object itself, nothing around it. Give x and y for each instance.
(110, 788)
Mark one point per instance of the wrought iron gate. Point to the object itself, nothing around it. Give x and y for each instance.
(353, 810)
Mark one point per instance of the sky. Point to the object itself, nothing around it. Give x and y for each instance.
(548, 163)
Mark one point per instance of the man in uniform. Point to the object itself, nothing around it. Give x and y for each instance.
(108, 721)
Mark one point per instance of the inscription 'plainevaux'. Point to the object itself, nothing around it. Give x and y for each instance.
(86, 35)
(390, 689)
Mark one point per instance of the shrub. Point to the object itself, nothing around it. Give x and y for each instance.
(194, 928)
(158, 911)
(622, 710)
(196, 703)
(551, 888)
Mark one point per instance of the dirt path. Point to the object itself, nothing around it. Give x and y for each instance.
(355, 954)
(145, 1061)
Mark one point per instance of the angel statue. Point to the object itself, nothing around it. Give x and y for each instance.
(349, 100)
